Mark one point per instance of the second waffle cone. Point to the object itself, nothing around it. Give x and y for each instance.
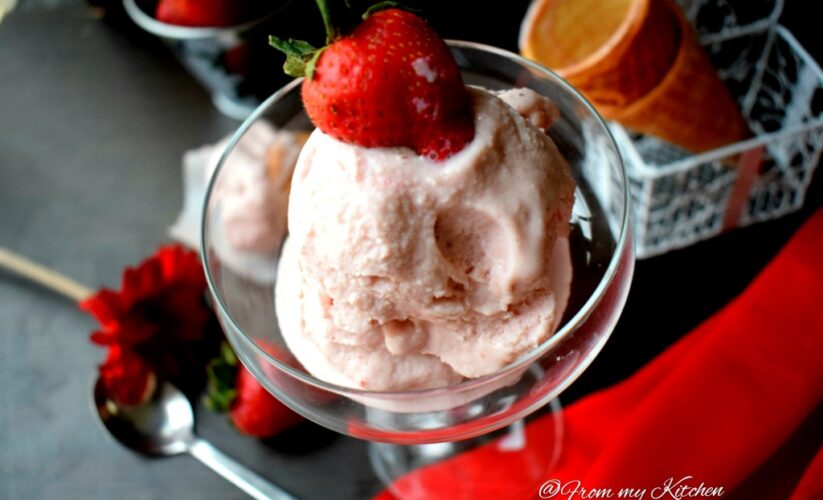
(639, 63)
(614, 51)
(691, 106)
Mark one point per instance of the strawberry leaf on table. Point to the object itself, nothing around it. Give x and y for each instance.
(221, 373)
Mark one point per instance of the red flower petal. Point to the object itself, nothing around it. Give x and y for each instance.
(188, 303)
(135, 329)
(142, 281)
(104, 306)
(126, 377)
(158, 309)
(181, 266)
(104, 338)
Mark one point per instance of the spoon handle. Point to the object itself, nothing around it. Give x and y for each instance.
(237, 474)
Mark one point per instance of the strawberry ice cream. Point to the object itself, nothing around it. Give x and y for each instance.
(401, 273)
(255, 191)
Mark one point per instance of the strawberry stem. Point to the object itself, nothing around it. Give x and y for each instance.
(387, 4)
(301, 57)
(325, 12)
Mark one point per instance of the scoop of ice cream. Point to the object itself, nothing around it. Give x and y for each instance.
(254, 188)
(538, 109)
(372, 365)
(408, 274)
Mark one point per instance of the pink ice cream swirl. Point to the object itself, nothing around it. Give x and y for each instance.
(401, 273)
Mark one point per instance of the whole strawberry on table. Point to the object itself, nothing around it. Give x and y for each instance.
(252, 410)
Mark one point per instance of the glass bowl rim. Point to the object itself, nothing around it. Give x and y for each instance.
(522, 361)
(179, 32)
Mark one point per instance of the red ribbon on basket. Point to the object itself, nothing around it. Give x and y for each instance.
(748, 168)
(735, 405)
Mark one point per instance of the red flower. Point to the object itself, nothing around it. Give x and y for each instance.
(126, 377)
(163, 296)
(158, 317)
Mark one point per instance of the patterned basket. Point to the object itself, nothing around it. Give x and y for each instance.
(682, 198)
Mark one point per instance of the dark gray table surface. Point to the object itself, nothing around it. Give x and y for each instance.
(92, 126)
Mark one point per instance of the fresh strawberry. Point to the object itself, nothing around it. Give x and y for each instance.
(313, 395)
(253, 410)
(202, 12)
(391, 82)
(256, 412)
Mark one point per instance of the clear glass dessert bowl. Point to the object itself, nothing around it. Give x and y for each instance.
(602, 261)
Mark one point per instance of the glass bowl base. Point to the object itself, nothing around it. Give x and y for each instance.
(402, 468)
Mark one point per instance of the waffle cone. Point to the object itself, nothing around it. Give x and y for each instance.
(614, 51)
(691, 106)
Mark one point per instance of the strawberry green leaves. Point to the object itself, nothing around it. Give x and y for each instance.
(301, 56)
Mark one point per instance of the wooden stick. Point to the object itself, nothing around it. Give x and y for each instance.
(43, 276)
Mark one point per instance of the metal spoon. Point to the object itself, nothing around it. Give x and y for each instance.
(165, 426)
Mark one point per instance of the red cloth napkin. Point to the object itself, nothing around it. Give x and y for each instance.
(713, 408)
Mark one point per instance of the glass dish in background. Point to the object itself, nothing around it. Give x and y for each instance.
(218, 57)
